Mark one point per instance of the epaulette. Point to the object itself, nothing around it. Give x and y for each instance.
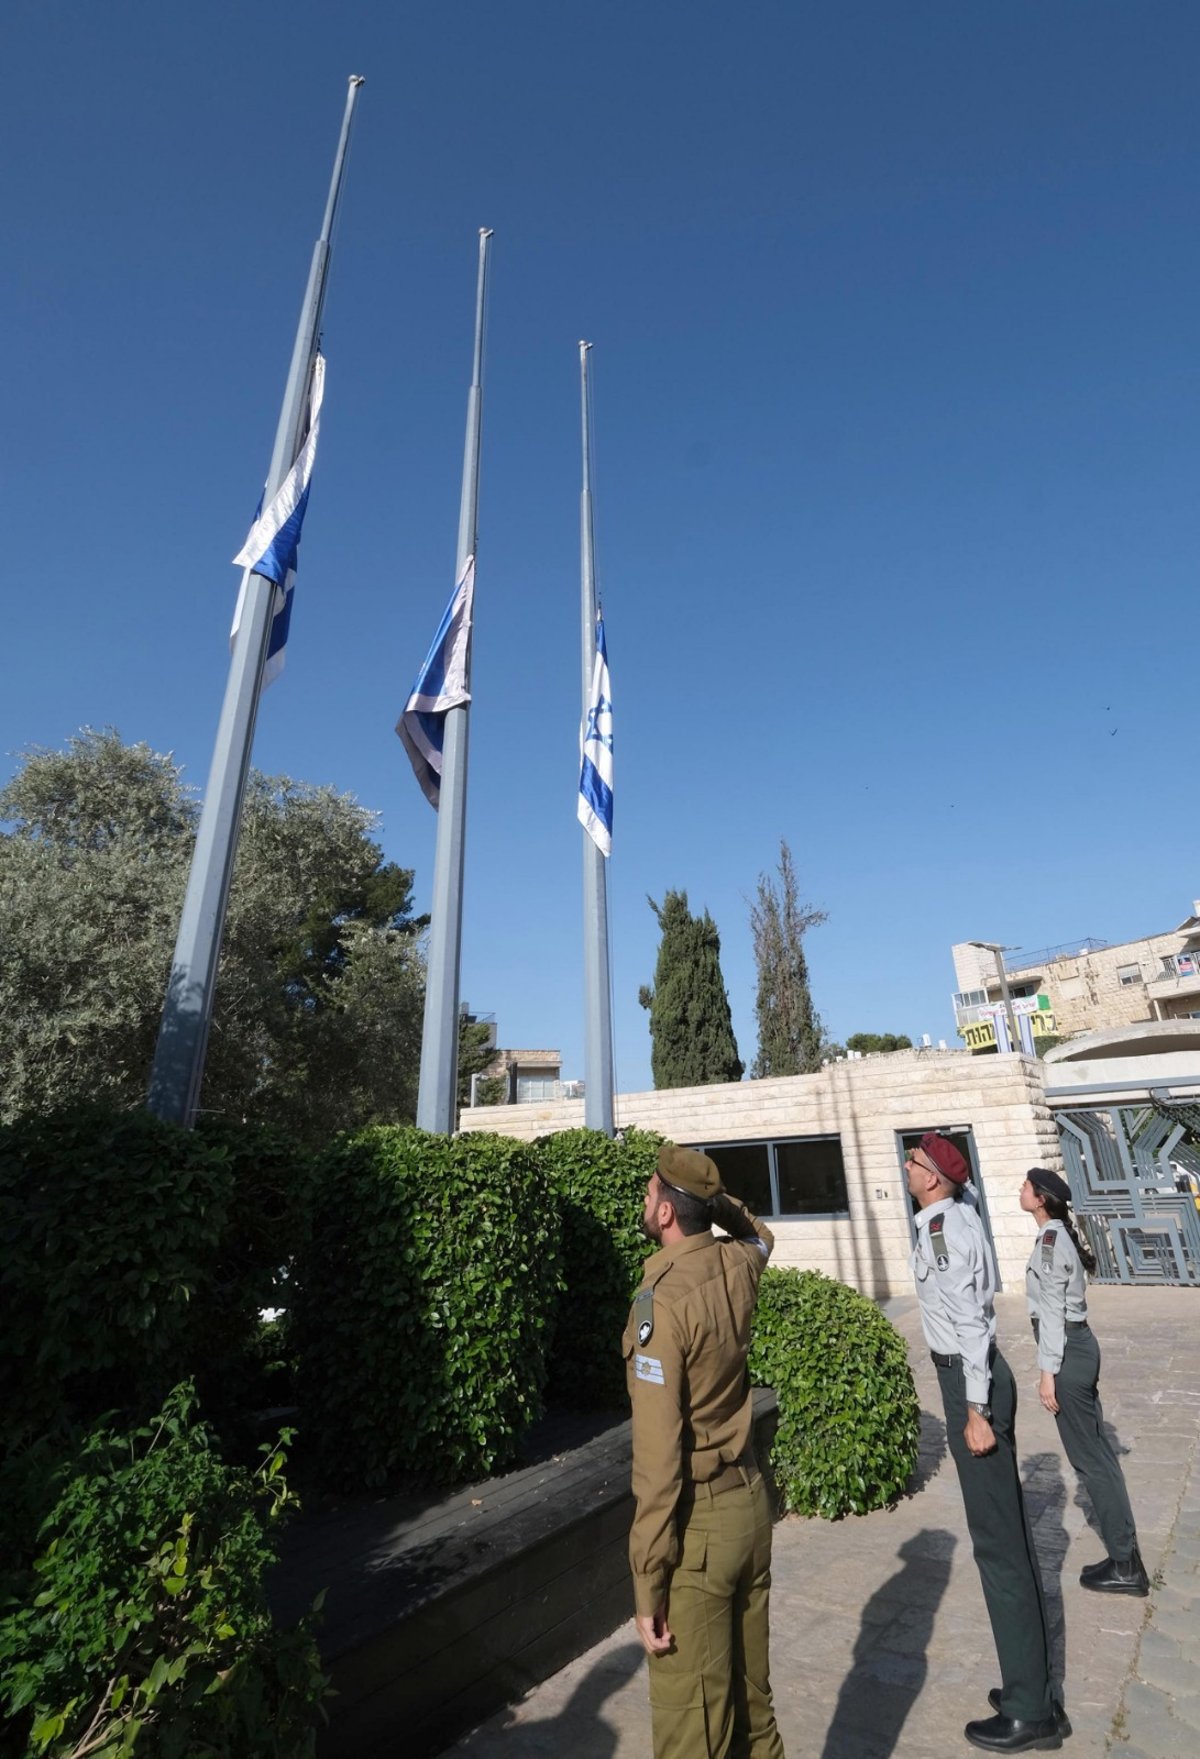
(1048, 1248)
(937, 1239)
(643, 1313)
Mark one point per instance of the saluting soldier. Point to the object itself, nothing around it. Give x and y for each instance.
(955, 1275)
(1069, 1381)
(700, 1545)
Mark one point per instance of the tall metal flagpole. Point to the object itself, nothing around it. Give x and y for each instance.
(597, 1036)
(436, 1092)
(178, 1068)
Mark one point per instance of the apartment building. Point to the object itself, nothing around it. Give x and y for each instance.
(1084, 985)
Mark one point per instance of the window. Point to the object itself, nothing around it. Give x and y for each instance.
(801, 1175)
(534, 1087)
(1128, 974)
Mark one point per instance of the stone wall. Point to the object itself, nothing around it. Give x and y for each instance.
(1001, 1099)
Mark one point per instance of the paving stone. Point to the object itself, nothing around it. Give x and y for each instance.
(878, 1655)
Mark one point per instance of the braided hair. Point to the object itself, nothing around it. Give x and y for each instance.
(1056, 1209)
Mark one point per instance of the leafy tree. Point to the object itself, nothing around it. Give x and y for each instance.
(691, 1028)
(476, 1049)
(317, 1022)
(869, 1042)
(790, 1037)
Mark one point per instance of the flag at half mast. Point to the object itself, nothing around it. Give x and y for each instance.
(595, 809)
(272, 546)
(441, 685)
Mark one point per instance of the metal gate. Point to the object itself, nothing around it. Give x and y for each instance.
(1134, 1172)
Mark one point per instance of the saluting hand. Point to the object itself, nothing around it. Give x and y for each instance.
(1046, 1392)
(654, 1630)
(979, 1435)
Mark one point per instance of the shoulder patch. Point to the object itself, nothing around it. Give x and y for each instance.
(649, 1368)
(937, 1239)
(1048, 1239)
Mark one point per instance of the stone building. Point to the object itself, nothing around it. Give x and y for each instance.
(821, 1156)
(1083, 986)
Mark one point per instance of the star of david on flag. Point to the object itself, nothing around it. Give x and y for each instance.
(271, 548)
(595, 808)
(441, 685)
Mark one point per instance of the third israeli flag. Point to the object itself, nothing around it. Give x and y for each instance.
(595, 809)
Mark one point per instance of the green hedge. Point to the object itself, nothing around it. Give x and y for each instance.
(143, 1628)
(424, 1305)
(134, 1254)
(848, 1414)
(601, 1186)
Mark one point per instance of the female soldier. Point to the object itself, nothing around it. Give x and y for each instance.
(1069, 1360)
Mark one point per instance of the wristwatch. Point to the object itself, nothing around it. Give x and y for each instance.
(984, 1411)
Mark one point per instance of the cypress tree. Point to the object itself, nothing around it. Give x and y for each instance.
(790, 1035)
(691, 1028)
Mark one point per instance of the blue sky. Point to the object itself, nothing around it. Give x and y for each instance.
(896, 372)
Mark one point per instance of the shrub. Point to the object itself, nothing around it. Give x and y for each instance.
(134, 1254)
(147, 1632)
(424, 1303)
(848, 1413)
(601, 1187)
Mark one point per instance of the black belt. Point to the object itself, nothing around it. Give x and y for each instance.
(1071, 1324)
(940, 1361)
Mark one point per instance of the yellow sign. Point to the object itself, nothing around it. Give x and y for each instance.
(981, 1035)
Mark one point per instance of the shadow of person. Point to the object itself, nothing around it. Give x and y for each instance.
(931, 1451)
(578, 1728)
(1045, 1495)
(890, 1655)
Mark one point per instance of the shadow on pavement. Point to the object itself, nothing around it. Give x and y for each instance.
(578, 1729)
(890, 1664)
(931, 1451)
(1046, 1498)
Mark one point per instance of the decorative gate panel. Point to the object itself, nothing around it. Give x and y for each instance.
(1134, 1173)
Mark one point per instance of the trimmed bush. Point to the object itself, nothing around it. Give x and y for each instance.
(134, 1254)
(424, 1305)
(601, 1188)
(146, 1630)
(848, 1413)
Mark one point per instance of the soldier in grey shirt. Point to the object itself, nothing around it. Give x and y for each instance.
(955, 1275)
(1069, 1383)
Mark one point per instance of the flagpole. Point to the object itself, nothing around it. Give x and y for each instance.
(436, 1092)
(178, 1068)
(597, 1035)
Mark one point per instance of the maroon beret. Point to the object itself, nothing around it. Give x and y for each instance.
(945, 1157)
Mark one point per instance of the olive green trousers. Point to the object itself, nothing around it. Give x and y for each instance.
(710, 1696)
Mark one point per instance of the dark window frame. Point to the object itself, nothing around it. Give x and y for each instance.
(770, 1143)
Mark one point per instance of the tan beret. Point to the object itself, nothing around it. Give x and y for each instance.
(688, 1170)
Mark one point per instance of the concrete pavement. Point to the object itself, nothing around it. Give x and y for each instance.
(880, 1642)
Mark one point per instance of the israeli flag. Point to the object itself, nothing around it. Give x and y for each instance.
(274, 539)
(441, 685)
(595, 809)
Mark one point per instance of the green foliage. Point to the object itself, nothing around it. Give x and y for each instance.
(848, 1415)
(870, 1042)
(146, 1630)
(601, 1189)
(476, 1049)
(133, 1254)
(790, 1036)
(691, 1027)
(424, 1304)
(320, 991)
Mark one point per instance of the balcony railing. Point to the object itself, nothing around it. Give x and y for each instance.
(1019, 961)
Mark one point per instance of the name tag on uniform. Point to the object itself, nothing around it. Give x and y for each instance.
(649, 1368)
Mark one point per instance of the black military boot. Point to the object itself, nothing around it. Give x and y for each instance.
(1010, 1734)
(1112, 1577)
(1060, 1715)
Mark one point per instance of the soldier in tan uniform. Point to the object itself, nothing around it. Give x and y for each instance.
(700, 1545)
